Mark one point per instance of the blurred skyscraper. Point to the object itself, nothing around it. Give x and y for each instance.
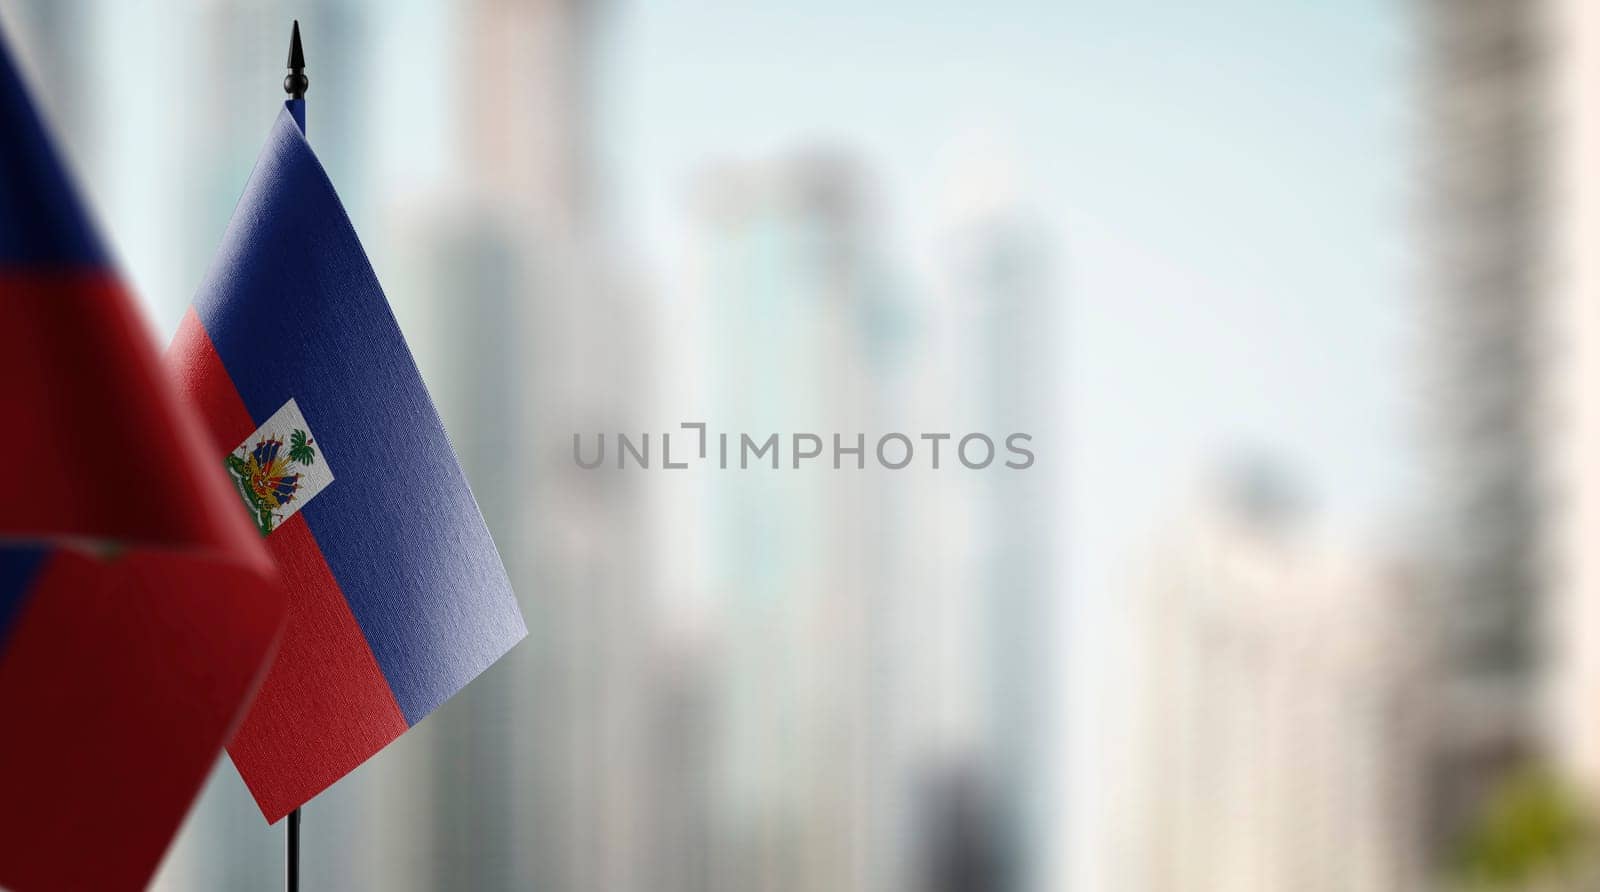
(1570, 410)
(1000, 302)
(1278, 728)
(795, 300)
(1487, 254)
(543, 783)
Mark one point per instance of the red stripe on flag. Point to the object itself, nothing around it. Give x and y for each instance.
(121, 679)
(325, 682)
(204, 382)
(94, 423)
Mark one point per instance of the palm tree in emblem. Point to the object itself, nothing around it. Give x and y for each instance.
(300, 448)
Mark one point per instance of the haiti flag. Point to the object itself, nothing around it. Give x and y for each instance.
(138, 608)
(397, 596)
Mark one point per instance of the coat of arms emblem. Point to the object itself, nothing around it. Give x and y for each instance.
(278, 468)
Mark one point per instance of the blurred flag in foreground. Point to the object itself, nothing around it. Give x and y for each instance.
(397, 597)
(137, 608)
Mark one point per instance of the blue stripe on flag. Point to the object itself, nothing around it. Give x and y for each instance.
(18, 567)
(40, 222)
(295, 311)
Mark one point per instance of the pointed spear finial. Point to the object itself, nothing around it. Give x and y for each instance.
(297, 82)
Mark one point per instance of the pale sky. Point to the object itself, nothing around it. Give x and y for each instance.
(1224, 183)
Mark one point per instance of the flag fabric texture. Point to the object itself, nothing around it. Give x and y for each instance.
(397, 596)
(138, 610)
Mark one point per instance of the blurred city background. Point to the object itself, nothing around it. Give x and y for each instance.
(1300, 302)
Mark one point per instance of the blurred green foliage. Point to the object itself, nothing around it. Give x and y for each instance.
(1532, 834)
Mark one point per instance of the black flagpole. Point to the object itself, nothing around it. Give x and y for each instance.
(297, 82)
(295, 85)
(294, 851)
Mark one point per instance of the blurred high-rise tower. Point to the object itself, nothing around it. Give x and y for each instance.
(795, 301)
(1001, 313)
(1484, 277)
(537, 779)
(1278, 729)
(1570, 413)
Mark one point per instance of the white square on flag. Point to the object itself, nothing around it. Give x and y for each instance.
(279, 468)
